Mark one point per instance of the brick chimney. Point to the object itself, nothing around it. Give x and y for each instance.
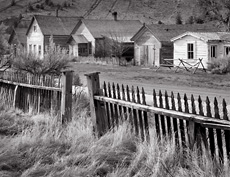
(114, 15)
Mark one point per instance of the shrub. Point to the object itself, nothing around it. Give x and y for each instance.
(220, 65)
(55, 59)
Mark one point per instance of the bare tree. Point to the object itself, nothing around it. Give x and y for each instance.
(118, 46)
(218, 10)
(54, 60)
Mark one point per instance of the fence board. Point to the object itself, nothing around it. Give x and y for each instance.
(157, 124)
(146, 124)
(140, 115)
(218, 131)
(135, 113)
(226, 133)
(181, 122)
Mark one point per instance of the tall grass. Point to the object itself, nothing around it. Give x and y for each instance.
(45, 148)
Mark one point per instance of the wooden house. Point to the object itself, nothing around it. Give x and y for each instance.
(152, 43)
(90, 36)
(42, 28)
(203, 45)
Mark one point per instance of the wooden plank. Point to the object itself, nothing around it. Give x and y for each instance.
(157, 124)
(220, 123)
(129, 109)
(190, 128)
(218, 131)
(96, 107)
(123, 98)
(202, 136)
(181, 122)
(162, 118)
(121, 116)
(107, 107)
(210, 130)
(30, 86)
(146, 124)
(175, 124)
(226, 133)
(140, 116)
(115, 106)
(168, 119)
(66, 103)
(111, 107)
(135, 113)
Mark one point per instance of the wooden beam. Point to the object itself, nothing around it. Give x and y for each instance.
(204, 121)
(31, 86)
(66, 99)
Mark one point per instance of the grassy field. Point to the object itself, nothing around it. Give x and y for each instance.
(37, 145)
(148, 75)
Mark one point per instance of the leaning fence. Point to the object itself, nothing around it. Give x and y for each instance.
(37, 93)
(189, 122)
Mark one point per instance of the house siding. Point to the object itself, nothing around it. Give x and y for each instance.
(200, 49)
(147, 50)
(35, 38)
(83, 30)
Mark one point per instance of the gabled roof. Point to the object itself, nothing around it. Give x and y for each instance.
(79, 39)
(100, 28)
(52, 25)
(165, 33)
(206, 36)
(20, 32)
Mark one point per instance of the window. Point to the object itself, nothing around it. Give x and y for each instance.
(30, 48)
(39, 50)
(227, 50)
(213, 51)
(34, 48)
(190, 49)
(83, 49)
(35, 28)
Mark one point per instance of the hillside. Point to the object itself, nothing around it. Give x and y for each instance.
(148, 11)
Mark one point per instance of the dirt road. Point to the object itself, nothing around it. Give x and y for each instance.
(202, 84)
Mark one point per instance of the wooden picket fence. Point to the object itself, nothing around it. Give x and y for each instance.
(191, 123)
(33, 93)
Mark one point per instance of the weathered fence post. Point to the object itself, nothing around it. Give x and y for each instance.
(66, 99)
(15, 101)
(97, 108)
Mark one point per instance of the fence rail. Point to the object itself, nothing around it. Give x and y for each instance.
(191, 123)
(37, 93)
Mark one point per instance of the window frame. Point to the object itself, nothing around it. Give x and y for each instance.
(30, 48)
(213, 53)
(39, 50)
(35, 28)
(225, 50)
(189, 52)
(34, 48)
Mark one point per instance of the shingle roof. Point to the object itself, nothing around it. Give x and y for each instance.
(52, 25)
(99, 28)
(206, 36)
(166, 32)
(21, 34)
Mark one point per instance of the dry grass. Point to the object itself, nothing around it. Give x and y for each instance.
(46, 148)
